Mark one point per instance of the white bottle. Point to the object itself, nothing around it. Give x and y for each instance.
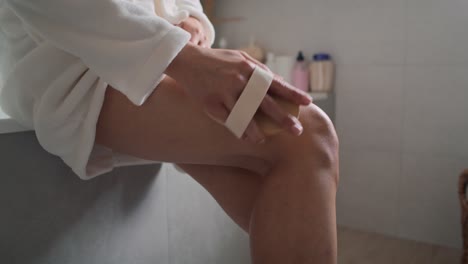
(321, 73)
(223, 43)
(271, 61)
(284, 67)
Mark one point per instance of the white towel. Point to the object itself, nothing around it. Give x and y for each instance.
(59, 56)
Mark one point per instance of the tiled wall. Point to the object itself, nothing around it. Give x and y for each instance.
(401, 106)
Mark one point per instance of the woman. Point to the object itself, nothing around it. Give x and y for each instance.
(110, 83)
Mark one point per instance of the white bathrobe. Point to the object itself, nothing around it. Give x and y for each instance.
(58, 57)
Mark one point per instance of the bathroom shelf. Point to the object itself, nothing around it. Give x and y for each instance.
(319, 96)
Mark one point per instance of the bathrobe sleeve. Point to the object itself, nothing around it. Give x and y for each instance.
(126, 45)
(195, 9)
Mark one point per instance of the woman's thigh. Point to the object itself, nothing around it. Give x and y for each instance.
(170, 127)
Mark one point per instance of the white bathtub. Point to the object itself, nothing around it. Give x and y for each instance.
(8, 125)
(139, 214)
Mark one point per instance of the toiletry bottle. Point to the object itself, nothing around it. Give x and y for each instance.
(255, 50)
(284, 66)
(223, 43)
(300, 74)
(321, 73)
(271, 61)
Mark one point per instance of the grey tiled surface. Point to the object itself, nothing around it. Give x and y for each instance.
(199, 231)
(50, 216)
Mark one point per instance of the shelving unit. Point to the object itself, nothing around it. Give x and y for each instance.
(326, 102)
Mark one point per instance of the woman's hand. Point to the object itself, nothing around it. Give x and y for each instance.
(216, 78)
(196, 29)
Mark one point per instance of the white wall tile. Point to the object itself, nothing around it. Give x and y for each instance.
(281, 28)
(369, 107)
(435, 120)
(367, 3)
(368, 35)
(437, 32)
(429, 207)
(199, 230)
(451, 4)
(367, 196)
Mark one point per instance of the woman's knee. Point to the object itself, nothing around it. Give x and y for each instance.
(318, 143)
(317, 146)
(318, 127)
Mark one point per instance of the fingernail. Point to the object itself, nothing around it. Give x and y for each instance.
(297, 129)
(262, 141)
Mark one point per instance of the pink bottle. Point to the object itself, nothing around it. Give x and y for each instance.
(300, 73)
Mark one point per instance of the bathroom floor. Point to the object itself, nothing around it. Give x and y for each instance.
(356, 247)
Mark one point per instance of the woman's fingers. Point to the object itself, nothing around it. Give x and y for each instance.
(287, 91)
(204, 42)
(195, 39)
(254, 61)
(219, 113)
(253, 132)
(197, 36)
(282, 88)
(281, 117)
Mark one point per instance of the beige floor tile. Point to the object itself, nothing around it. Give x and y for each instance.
(356, 247)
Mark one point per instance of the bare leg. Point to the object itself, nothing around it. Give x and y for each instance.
(288, 202)
(294, 217)
(234, 189)
(280, 213)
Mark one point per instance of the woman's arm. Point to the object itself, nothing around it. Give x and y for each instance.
(130, 48)
(126, 45)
